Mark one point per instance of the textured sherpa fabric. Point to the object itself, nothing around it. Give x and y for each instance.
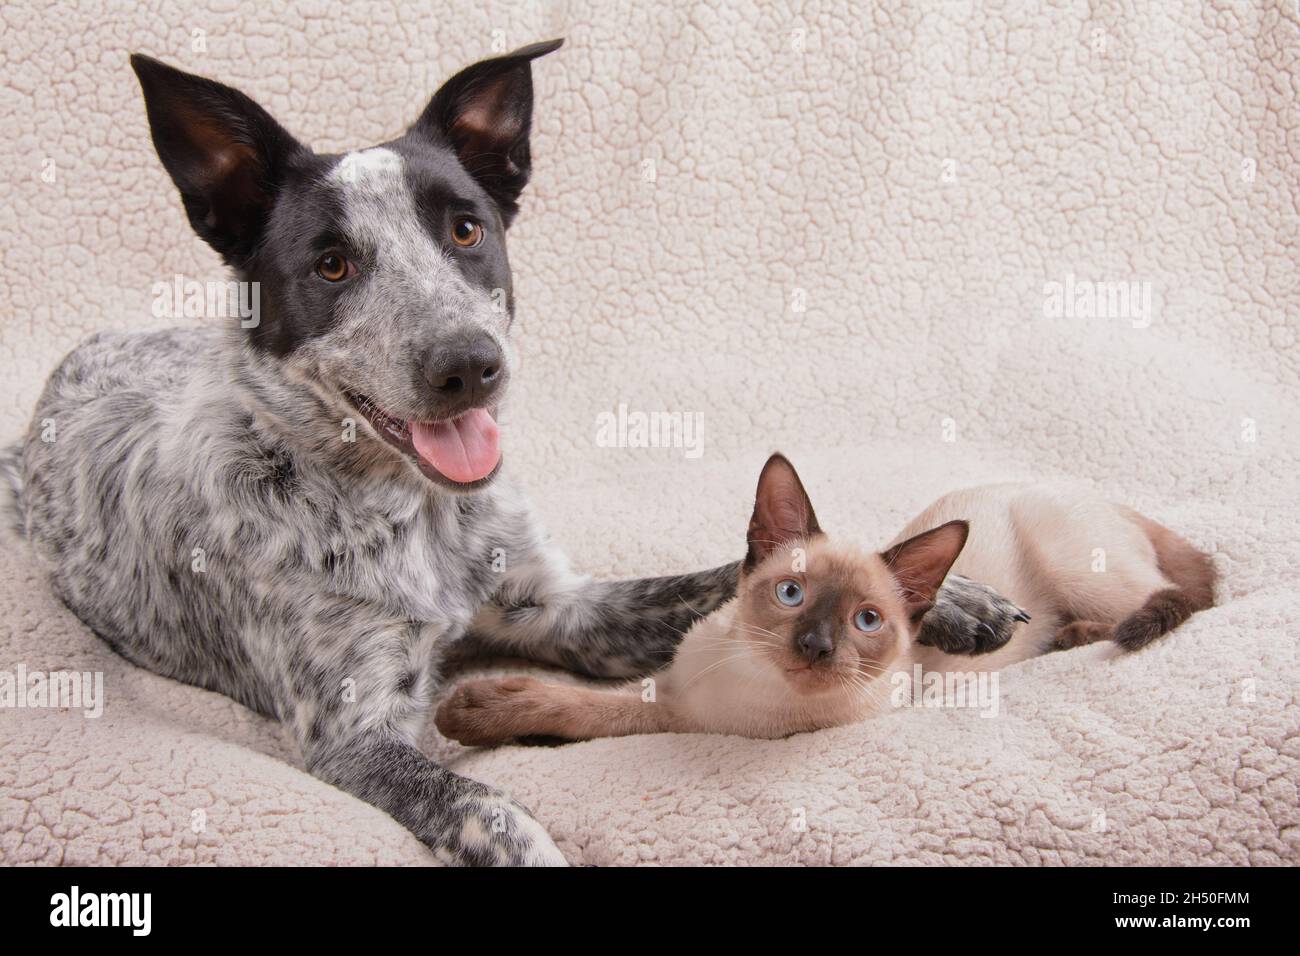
(832, 232)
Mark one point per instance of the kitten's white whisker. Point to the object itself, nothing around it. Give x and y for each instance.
(714, 666)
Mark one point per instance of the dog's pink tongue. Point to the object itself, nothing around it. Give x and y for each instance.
(464, 449)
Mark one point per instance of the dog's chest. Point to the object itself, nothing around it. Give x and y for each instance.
(436, 563)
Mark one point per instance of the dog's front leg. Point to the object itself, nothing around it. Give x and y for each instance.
(969, 618)
(464, 822)
(544, 612)
(357, 682)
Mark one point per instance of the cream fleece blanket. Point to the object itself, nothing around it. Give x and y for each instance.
(889, 242)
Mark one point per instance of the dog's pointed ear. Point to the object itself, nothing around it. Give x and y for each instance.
(485, 113)
(782, 511)
(920, 564)
(225, 153)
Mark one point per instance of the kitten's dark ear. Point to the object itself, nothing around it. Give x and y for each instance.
(921, 563)
(782, 511)
(485, 113)
(225, 153)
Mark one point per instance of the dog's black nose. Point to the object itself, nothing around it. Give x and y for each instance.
(816, 646)
(466, 368)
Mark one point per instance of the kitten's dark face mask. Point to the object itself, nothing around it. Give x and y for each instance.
(827, 616)
(830, 615)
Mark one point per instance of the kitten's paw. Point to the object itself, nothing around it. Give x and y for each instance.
(969, 618)
(486, 828)
(1080, 634)
(478, 714)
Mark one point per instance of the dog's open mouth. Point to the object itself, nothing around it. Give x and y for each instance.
(464, 450)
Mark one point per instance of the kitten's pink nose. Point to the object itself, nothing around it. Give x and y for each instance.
(816, 646)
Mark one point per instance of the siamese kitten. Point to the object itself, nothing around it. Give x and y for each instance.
(819, 627)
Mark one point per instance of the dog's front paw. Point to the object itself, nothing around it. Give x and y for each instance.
(969, 618)
(487, 828)
(480, 713)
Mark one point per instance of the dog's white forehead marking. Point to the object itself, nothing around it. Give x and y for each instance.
(380, 212)
(368, 171)
(377, 199)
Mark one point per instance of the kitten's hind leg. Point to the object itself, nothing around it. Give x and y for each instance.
(1163, 611)
(1080, 633)
(485, 713)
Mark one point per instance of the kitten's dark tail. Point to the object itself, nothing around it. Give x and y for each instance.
(1194, 577)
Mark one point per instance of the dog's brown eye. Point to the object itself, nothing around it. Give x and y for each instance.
(466, 232)
(332, 267)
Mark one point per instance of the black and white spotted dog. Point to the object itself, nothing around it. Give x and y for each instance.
(304, 515)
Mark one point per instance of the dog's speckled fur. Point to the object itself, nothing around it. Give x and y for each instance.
(201, 509)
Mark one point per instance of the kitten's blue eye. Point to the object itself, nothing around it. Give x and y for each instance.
(868, 619)
(789, 593)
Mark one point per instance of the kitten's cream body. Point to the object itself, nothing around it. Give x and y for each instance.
(1057, 551)
(1060, 552)
(1084, 568)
